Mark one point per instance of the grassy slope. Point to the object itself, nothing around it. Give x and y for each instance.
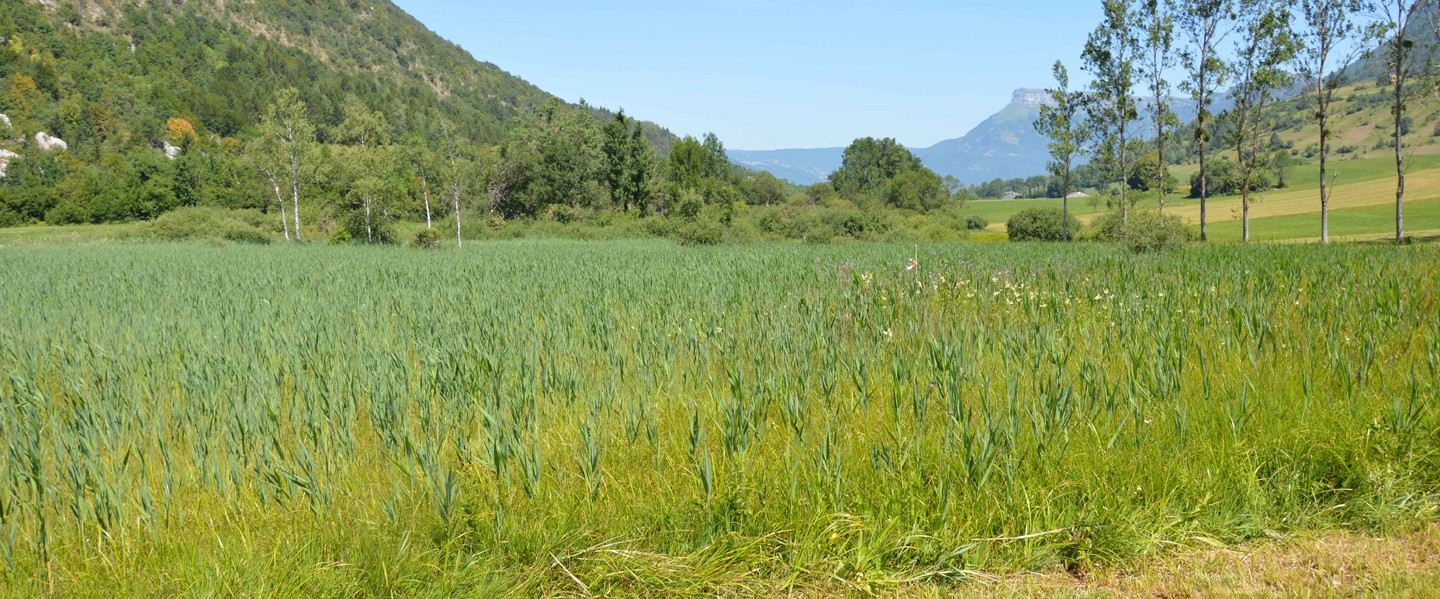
(1364, 177)
(1362, 203)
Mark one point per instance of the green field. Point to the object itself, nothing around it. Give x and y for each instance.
(552, 418)
(1364, 189)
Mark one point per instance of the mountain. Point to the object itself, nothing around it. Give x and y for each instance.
(797, 166)
(109, 73)
(1004, 146)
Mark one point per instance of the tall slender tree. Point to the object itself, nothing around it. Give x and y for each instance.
(1060, 120)
(364, 128)
(1157, 33)
(451, 153)
(1266, 44)
(1329, 27)
(1395, 28)
(290, 132)
(1110, 55)
(1205, 25)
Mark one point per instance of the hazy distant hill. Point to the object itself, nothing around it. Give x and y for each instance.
(1004, 146)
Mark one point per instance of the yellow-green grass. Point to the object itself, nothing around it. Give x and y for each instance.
(1422, 219)
(552, 418)
(1363, 183)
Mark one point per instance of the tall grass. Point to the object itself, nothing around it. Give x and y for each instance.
(543, 418)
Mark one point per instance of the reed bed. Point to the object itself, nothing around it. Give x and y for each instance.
(632, 418)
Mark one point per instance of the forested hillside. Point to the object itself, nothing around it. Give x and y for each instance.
(119, 81)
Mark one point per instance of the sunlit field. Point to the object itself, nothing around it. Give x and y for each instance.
(546, 418)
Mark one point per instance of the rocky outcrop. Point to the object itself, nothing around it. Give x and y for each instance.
(5, 157)
(171, 151)
(5, 120)
(50, 144)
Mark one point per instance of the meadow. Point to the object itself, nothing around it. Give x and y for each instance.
(560, 418)
(1362, 197)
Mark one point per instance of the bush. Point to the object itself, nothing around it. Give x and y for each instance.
(854, 223)
(426, 239)
(1147, 231)
(205, 223)
(699, 233)
(976, 223)
(1040, 224)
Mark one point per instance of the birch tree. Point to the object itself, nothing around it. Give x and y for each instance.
(364, 129)
(455, 181)
(1060, 121)
(1329, 27)
(290, 133)
(1205, 24)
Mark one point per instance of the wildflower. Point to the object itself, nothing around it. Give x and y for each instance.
(912, 265)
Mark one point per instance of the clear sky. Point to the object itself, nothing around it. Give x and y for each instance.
(779, 74)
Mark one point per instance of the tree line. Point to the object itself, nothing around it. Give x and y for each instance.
(1250, 51)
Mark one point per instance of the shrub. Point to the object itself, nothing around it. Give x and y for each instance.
(1147, 230)
(976, 222)
(426, 239)
(205, 223)
(699, 233)
(855, 223)
(1040, 224)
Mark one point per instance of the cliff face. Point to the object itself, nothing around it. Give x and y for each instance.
(1005, 145)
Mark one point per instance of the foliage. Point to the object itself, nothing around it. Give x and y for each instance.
(976, 223)
(426, 239)
(1223, 179)
(207, 223)
(1040, 224)
(1146, 231)
(699, 233)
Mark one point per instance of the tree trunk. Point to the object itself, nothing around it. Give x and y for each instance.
(425, 188)
(1324, 195)
(1124, 179)
(459, 241)
(295, 183)
(1200, 135)
(1324, 113)
(1065, 206)
(1204, 234)
(1399, 139)
(280, 198)
(1245, 210)
(1159, 124)
(369, 233)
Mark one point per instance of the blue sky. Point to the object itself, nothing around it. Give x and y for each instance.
(781, 74)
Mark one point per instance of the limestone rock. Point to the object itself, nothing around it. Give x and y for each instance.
(5, 157)
(49, 143)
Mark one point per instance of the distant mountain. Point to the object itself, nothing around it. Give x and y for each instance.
(797, 166)
(1004, 146)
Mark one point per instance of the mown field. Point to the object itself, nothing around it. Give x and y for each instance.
(552, 418)
(1364, 193)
